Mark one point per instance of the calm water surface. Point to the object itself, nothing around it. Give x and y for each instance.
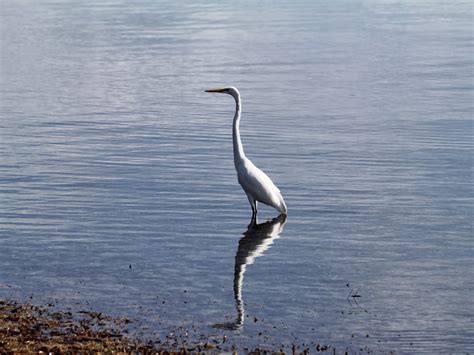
(117, 188)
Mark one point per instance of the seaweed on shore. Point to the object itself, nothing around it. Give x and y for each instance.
(26, 328)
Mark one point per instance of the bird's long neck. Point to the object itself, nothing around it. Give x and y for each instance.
(238, 148)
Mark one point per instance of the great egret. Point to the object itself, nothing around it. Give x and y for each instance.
(256, 184)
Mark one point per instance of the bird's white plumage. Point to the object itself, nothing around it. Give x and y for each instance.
(256, 184)
(259, 186)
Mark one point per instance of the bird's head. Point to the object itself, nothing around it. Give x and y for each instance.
(230, 90)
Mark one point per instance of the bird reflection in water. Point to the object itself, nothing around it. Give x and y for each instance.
(256, 240)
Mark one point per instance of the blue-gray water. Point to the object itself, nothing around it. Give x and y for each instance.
(361, 112)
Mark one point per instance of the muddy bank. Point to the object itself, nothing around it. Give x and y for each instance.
(29, 328)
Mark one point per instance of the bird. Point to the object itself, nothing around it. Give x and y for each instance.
(256, 184)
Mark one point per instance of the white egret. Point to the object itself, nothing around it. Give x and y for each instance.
(256, 184)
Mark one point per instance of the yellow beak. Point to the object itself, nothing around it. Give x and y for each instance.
(214, 90)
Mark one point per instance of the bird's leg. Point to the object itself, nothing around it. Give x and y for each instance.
(253, 204)
(253, 220)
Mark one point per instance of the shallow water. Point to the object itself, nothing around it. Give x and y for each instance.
(117, 188)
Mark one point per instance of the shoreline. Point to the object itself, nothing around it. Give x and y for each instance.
(25, 327)
(30, 328)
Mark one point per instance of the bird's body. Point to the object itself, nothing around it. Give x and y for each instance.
(259, 187)
(256, 184)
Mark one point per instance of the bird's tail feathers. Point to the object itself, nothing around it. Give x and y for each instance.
(282, 207)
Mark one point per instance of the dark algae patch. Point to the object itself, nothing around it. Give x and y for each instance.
(26, 328)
